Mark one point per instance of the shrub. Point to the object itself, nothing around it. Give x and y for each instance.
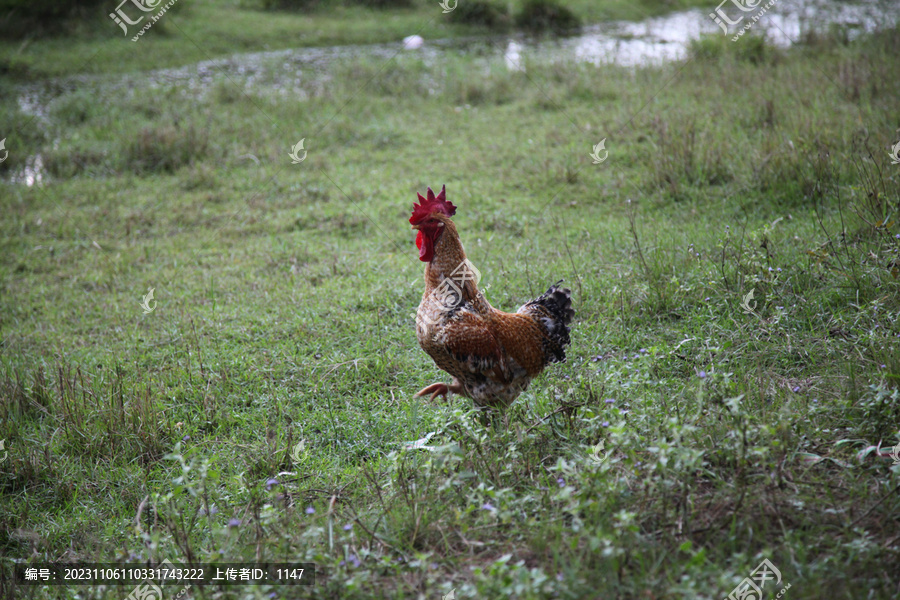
(25, 18)
(166, 148)
(314, 4)
(480, 13)
(539, 16)
(749, 48)
(383, 3)
(291, 4)
(39, 10)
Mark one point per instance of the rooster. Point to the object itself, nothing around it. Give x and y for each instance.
(491, 355)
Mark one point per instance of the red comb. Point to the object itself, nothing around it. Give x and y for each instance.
(431, 204)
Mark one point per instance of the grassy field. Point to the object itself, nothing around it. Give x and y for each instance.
(197, 30)
(258, 411)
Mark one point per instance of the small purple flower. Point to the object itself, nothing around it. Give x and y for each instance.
(644, 350)
(609, 400)
(185, 438)
(310, 510)
(706, 299)
(234, 522)
(487, 506)
(270, 483)
(796, 389)
(348, 526)
(702, 374)
(561, 482)
(778, 269)
(771, 269)
(605, 423)
(815, 400)
(559, 576)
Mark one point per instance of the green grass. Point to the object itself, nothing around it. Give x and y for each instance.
(285, 296)
(198, 30)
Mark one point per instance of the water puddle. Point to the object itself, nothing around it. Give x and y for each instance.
(662, 39)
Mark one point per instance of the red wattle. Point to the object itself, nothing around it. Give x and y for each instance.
(426, 247)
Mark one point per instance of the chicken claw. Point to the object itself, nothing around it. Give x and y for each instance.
(440, 389)
(435, 389)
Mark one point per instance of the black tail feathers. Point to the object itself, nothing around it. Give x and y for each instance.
(556, 313)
